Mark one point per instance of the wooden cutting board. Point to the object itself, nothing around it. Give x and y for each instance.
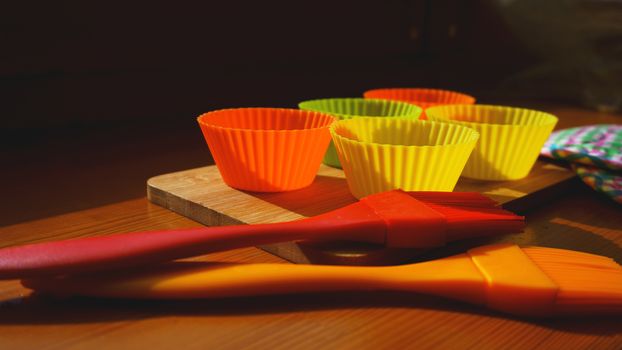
(201, 195)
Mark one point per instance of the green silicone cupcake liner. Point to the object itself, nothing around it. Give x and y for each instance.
(347, 108)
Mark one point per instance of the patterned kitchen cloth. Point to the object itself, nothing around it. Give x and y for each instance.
(595, 153)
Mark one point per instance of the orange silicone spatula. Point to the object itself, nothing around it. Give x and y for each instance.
(532, 281)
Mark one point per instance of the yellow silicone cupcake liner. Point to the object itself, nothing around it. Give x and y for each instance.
(347, 108)
(510, 138)
(266, 149)
(381, 154)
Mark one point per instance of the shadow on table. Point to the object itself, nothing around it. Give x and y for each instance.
(41, 310)
(585, 222)
(45, 310)
(326, 193)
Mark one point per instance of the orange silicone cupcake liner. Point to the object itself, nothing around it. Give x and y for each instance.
(266, 149)
(421, 97)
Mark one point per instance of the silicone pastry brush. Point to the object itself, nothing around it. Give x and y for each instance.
(532, 281)
(394, 218)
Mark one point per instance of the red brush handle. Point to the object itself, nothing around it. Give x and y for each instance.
(354, 222)
(393, 218)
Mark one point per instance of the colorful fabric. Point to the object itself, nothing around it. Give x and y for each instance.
(596, 154)
(601, 181)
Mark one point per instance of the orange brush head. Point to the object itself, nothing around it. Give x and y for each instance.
(588, 283)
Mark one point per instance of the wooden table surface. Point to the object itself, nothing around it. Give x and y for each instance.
(578, 220)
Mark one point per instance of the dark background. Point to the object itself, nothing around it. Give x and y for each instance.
(99, 96)
(86, 62)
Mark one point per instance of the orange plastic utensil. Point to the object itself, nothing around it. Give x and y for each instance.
(266, 149)
(422, 97)
(532, 281)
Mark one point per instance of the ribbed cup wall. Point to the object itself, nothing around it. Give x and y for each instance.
(348, 108)
(510, 138)
(381, 154)
(266, 149)
(421, 97)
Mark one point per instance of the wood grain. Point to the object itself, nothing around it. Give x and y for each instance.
(333, 320)
(201, 195)
(578, 219)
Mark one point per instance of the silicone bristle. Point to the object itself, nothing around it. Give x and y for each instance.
(469, 199)
(587, 283)
(471, 214)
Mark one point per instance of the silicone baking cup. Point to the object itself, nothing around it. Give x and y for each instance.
(421, 97)
(347, 108)
(510, 138)
(381, 154)
(266, 149)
